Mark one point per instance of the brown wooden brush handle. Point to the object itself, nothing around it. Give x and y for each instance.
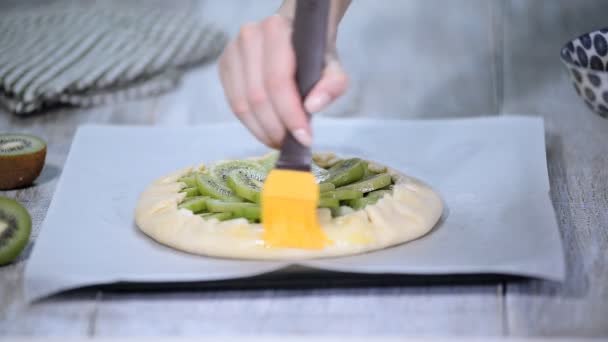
(309, 39)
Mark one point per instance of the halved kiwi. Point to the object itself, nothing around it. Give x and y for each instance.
(15, 229)
(22, 158)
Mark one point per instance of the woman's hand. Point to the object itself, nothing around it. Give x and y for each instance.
(257, 70)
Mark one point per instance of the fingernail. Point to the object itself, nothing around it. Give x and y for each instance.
(316, 103)
(302, 136)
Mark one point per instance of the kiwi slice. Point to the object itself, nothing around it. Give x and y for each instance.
(218, 216)
(245, 183)
(250, 211)
(361, 203)
(15, 229)
(195, 204)
(341, 211)
(191, 192)
(221, 170)
(371, 198)
(189, 180)
(320, 173)
(343, 194)
(368, 173)
(379, 193)
(346, 171)
(370, 184)
(22, 158)
(324, 187)
(212, 187)
(327, 202)
(269, 161)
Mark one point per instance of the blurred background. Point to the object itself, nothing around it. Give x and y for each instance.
(406, 58)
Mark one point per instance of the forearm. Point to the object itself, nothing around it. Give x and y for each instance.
(337, 10)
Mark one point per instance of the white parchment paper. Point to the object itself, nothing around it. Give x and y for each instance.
(491, 173)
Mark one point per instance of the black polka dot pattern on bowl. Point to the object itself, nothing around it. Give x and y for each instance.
(586, 59)
(601, 45)
(603, 111)
(595, 80)
(596, 63)
(583, 60)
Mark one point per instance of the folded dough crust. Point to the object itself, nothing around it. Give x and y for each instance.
(408, 213)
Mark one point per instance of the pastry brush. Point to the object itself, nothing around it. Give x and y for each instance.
(290, 192)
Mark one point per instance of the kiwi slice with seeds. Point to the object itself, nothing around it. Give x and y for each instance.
(221, 170)
(22, 158)
(346, 171)
(215, 188)
(245, 183)
(343, 194)
(250, 211)
(195, 204)
(370, 184)
(15, 229)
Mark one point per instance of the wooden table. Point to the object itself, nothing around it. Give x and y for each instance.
(406, 59)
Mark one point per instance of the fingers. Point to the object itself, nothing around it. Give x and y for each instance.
(279, 80)
(333, 83)
(231, 71)
(257, 70)
(251, 49)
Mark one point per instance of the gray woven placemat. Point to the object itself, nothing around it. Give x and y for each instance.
(86, 56)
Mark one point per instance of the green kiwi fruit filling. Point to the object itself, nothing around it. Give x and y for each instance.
(232, 189)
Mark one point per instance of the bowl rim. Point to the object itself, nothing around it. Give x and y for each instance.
(571, 41)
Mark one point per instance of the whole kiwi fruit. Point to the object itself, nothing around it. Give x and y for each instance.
(22, 158)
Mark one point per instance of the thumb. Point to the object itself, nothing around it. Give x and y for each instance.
(332, 84)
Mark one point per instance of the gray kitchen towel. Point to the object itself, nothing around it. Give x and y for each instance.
(85, 56)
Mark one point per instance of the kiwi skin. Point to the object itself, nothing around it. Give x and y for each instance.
(20, 170)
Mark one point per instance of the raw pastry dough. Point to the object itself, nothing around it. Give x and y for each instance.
(408, 213)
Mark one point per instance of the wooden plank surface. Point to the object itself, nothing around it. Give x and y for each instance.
(577, 139)
(406, 59)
